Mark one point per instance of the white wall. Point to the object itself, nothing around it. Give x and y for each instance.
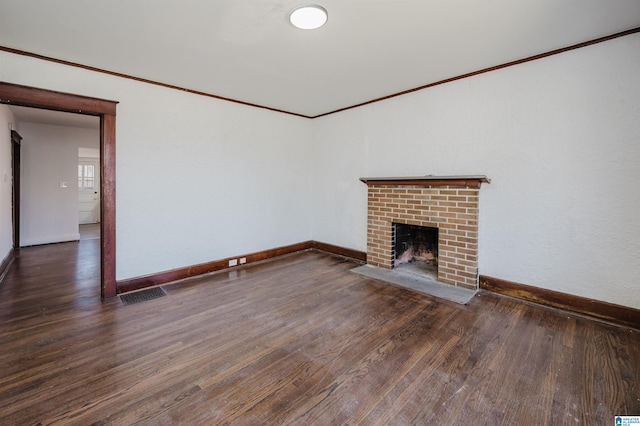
(207, 180)
(49, 154)
(560, 139)
(6, 232)
(197, 179)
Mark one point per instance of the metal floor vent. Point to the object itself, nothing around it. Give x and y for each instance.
(142, 295)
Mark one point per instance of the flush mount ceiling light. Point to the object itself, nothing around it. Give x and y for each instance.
(308, 17)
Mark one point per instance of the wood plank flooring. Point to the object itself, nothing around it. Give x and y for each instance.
(297, 340)
(89, 231)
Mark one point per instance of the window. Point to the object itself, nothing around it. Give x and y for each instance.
(86, 176)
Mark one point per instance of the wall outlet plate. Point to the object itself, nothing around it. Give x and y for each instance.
(233, 262)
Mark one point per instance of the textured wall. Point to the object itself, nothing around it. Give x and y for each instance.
(560, 140)
(49, 156)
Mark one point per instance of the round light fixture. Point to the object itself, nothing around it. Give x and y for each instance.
(308, 17)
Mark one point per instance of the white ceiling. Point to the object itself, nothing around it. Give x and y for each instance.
(247, 50)
(56, 118)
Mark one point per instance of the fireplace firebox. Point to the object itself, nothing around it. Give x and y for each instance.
(415, 246)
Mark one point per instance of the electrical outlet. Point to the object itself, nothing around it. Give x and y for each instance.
(233, 262)
(243, 260)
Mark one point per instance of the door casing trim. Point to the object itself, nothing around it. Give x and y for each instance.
(14, 94)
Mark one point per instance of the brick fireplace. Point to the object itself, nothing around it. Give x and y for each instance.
(448, 203)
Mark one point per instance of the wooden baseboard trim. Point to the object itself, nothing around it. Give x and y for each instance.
(357, 255)
(6, 263)
(605, 311)
(138, 283)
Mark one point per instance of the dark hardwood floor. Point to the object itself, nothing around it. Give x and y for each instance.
(89, 231)
(297, 340)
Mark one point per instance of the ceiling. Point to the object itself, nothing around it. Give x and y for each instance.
(246, 49)
(56, 118)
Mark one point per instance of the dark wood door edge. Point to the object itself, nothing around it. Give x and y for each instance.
(605, 311)
(15, 187)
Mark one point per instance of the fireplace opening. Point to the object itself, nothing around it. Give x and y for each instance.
(415, 249)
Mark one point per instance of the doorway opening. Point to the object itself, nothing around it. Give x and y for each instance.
(13, 94)
(88, 186)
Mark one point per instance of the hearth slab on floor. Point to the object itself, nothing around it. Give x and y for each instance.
(424, 285)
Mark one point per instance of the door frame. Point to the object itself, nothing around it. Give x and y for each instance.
(14, 94)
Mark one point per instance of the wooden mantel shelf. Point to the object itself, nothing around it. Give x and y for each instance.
(469, 181)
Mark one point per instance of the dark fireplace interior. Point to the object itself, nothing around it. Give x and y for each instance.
(415, 249)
